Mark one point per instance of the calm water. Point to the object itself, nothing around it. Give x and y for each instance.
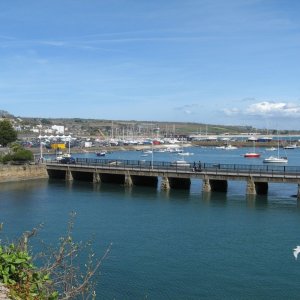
(175, 245)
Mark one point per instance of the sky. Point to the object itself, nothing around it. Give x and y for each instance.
(233, 62)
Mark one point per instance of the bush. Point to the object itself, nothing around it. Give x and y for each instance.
(19, 155)
(22, 155)
(58, 278)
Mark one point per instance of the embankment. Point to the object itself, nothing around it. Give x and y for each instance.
(22, 172)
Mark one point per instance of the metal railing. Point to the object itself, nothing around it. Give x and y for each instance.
(187, 167)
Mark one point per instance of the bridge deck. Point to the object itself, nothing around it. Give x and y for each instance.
(264, 173)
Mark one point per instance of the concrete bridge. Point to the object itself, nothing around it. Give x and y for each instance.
(214, 177)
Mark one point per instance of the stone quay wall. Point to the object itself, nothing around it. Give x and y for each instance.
(22, 172)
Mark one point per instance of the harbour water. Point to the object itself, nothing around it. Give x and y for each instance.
(172, 245)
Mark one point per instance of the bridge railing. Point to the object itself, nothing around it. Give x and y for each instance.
(187, 167)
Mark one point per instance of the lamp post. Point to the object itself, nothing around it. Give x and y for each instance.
(152, 154)
(41, 145)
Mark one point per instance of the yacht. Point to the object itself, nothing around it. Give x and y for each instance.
(274, 159)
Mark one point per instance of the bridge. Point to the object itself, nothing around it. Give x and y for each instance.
(178, 175)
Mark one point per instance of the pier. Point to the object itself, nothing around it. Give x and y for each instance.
(214, 177)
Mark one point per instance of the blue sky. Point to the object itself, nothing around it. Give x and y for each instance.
(233, 62)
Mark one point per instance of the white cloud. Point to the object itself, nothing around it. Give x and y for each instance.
(274, 109)
(266, 109)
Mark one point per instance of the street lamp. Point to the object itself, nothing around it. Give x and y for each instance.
(152, 154)
(41, 146)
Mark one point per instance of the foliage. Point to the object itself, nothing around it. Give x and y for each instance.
(18, 155)
(7, 133)
(59, 277)
(46, 122)
(22, 155)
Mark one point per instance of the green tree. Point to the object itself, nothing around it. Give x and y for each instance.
(7, 133)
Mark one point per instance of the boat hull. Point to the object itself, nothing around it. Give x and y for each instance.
(251, 155)
(275, 160)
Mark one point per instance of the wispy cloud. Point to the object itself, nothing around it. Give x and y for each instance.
(187, 109)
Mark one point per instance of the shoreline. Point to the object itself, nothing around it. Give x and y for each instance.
(239, 144)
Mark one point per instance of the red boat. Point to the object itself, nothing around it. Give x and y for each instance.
(252, 155)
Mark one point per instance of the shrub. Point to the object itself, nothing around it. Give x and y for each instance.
(58, 277)
(18, 155)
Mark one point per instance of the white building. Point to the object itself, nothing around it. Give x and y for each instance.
(58, 129)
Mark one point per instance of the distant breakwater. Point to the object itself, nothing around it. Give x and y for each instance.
(22, 172)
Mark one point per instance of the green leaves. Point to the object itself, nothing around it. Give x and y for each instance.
(17, 271)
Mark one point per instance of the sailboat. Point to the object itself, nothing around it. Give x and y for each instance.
(252, 154)
(278, 159)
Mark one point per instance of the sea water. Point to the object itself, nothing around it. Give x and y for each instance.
(181, 244)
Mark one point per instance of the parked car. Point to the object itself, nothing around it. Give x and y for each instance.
(68, 160)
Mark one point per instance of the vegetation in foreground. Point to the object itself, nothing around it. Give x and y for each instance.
(56, 275)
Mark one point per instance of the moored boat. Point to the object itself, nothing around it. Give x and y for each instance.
(274, 159)
(102, 153)
(291, 146)
(271, 149)
(251, 155)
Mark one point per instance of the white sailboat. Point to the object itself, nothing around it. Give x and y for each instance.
(278, 159)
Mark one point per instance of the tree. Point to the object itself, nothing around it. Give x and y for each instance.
(7, 133)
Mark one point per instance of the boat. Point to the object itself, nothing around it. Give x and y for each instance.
(274, 159)
(227, 147)
(278, 159)
(252, 154)
(148, 151)
(230, 147)
(102, 153)
(271, 149)
(186, 153)
(291, 146)
(180, 163)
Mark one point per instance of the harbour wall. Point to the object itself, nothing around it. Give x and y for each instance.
(23, 172)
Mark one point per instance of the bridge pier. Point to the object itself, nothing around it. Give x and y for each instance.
(251, 190)
(254, 188)
(206, 185)
(128, 180)
(165, 184)
(96, 177)
(69, 176)
(298, 193)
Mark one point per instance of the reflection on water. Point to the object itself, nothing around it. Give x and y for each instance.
(24, 186)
